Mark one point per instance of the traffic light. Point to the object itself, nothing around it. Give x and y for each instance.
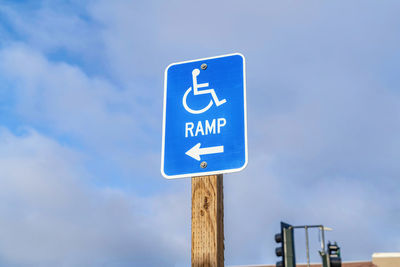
(286, 249)
(334, 255)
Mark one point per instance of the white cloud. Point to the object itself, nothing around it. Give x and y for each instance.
(61, 94)
(66, 102)
(323, 126)
(53, 26)
(51, 216)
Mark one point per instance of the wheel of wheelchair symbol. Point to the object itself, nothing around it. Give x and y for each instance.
(193, 111)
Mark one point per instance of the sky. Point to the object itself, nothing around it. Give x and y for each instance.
(81, 89)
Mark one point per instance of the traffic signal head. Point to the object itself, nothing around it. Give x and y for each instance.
(286, 249)
(334, 255)
(279, 250)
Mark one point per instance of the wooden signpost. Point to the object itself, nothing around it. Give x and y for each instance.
(205, 135)
(207, 221)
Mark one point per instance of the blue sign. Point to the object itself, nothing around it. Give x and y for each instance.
(204, 123)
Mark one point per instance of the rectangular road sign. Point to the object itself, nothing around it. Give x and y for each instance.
(204, 120)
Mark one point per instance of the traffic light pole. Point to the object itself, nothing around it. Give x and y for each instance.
(307, 246)
(323, 254)
(207, 221)
(330, 258)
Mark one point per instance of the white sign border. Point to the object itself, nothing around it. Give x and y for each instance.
(164, 117)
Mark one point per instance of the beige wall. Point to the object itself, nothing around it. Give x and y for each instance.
(386, 259)
(344, 264)
(378, 260)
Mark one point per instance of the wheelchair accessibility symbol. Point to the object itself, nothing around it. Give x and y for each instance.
(196, 91)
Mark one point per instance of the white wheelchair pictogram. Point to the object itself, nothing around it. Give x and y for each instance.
(196, 91)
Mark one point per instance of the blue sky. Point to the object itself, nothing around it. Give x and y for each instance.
(81, 115)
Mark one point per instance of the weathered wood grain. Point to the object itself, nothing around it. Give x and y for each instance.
(207, 221)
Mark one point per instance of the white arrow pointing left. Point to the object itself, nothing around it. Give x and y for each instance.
(195, 152)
